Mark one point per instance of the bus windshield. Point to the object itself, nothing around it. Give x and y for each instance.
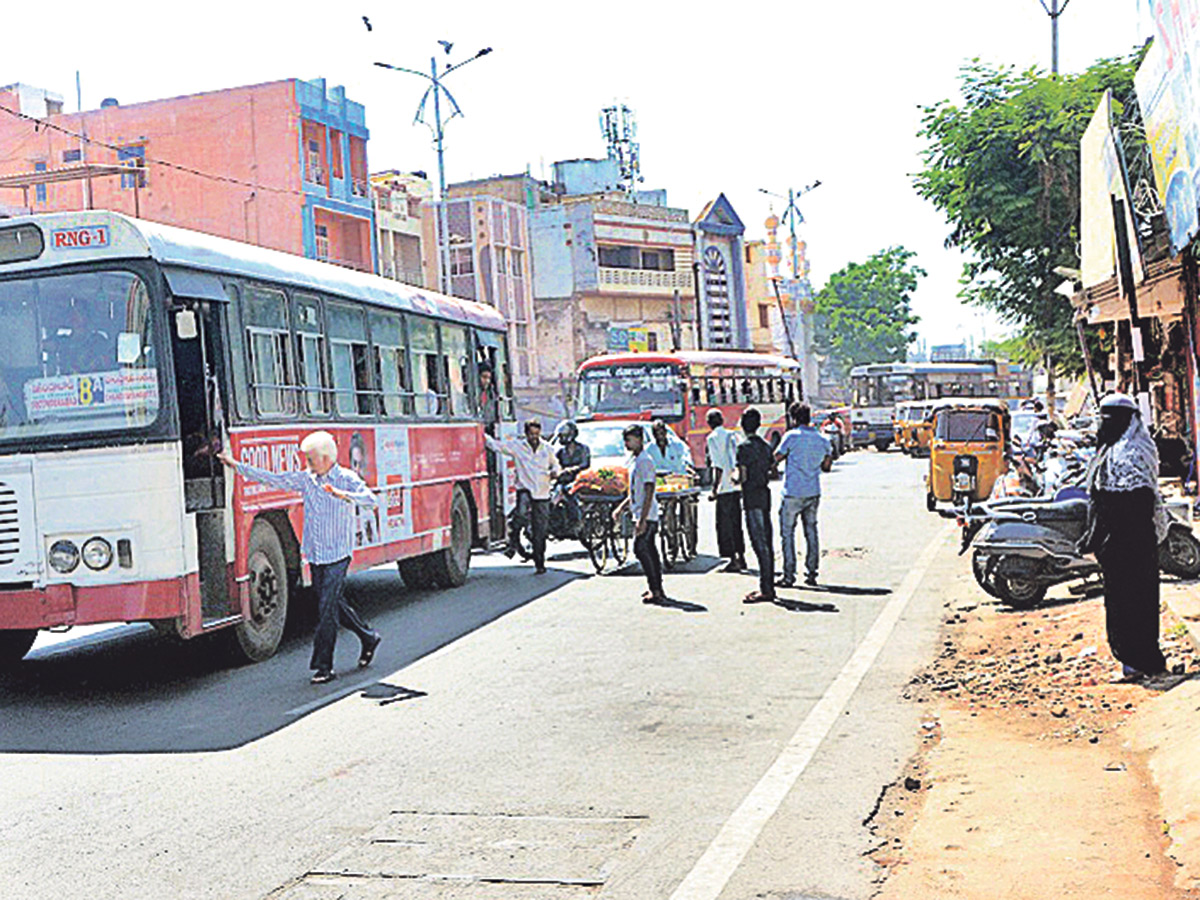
(631, 388)
(76, 355)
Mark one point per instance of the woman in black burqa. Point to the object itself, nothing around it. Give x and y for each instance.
(1126, 522)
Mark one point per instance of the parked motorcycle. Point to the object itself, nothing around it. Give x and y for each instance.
(1023, 546)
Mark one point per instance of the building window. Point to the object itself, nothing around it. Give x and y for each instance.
(461, 261)
(502, 260)
(134, 157)
(517, 268)
(652, 341)
(72, 156)
(40, 189)
(522, 336)
(634, 258)
(764, 316)
(322, 232)
(313, 171)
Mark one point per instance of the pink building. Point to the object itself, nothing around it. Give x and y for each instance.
(281, 164)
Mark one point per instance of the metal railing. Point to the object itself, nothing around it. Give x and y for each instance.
(645, 278)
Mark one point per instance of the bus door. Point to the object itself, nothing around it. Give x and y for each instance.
(496, 412)
(199, 370)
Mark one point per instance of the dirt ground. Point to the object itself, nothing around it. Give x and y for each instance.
(1025, 785)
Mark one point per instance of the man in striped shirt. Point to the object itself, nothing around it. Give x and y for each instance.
(330, 494)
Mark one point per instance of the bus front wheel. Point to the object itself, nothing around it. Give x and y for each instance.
(15, 644)
(257, 637)
(450, 566)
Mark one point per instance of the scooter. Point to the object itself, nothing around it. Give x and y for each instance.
(1025, 546)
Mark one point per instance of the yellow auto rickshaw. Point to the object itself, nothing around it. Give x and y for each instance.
(900, 420)
(921, 428)
(968, 450)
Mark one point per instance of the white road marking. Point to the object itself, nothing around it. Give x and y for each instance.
(713, 870)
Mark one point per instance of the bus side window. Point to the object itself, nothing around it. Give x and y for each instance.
(710, 392)
(237, 352)
(696, 401)
(426, 368)
(310, 354)
(351, 368)
(391, 365)
(456, 363)
(266, 317)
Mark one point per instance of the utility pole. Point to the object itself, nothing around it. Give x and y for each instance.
(804, 356)
(1053, 10)
(437, 88)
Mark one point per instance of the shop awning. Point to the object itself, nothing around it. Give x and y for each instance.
(1160, 296)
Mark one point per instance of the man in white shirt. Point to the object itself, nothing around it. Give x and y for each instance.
(536, 469)
(722, 459)
(641, 500)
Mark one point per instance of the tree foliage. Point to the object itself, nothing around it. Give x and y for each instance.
(1003, 166)
(863, 312)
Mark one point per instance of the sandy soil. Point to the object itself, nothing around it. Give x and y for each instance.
(1025, 785)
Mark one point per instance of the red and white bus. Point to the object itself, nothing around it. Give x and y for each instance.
(681, 387)
(131, 351)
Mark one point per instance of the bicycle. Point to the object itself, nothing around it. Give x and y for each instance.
(603, 538)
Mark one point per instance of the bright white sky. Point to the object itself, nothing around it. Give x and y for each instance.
(728, 98)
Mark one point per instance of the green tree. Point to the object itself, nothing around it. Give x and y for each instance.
(863, 312)
(1003, 166)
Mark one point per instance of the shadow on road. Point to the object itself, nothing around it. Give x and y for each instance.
(803, 606)
(138, 692)
(848, 590)
(682, 605)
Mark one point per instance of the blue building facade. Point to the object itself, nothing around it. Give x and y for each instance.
(332, 140)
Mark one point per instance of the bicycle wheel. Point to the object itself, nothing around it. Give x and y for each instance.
(596, 524)
(668, 535)
(690, 529)
(618, 540)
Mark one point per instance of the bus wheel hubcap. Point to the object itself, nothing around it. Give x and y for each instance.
(264, 591)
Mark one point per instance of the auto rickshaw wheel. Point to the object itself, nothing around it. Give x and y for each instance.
(931, 502)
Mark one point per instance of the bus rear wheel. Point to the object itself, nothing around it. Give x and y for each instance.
(450, 566)
(257, 637)
(15, 644)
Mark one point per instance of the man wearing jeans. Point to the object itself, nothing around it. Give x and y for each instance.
(644, 506)
(756, 466)
(536, 470)
(808, 454)
(330, 494)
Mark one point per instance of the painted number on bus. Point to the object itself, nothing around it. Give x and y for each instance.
(91, 390)
(79, 238)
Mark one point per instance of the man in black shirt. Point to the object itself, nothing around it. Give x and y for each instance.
(574, 458)
(756, 465)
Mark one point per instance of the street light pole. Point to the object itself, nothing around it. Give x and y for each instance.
(443, 236)
(437, 88)
(1054, 11)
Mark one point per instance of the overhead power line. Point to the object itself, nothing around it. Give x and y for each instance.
(147, 161)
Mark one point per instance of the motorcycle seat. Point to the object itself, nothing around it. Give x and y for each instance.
(1073, 510)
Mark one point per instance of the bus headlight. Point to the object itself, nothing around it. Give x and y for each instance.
(97, 554)
(64, 556)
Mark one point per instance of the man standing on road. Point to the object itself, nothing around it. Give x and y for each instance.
(536, 470)
(722, 459)
(330, 494)
(808, 454)
(756, 465)
(642, 480)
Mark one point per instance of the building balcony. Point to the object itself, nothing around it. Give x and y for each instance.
(643, 281)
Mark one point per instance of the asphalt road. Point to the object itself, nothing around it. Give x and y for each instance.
(520, 737)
